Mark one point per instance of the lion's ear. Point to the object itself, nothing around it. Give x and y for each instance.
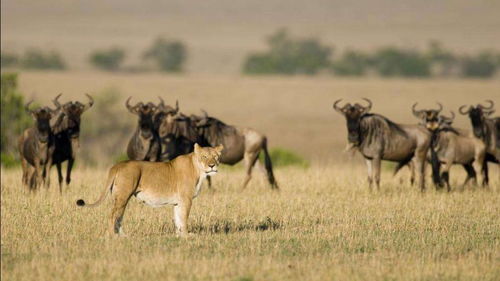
(219, 148)
(197, 148)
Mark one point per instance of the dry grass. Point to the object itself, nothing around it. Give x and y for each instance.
(323, 225)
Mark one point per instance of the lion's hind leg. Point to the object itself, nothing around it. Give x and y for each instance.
(121, 192)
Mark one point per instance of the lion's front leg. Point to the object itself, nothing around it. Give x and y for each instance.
(181, 214)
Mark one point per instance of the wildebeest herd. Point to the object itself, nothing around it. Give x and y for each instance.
(163, 133)
(434, 139)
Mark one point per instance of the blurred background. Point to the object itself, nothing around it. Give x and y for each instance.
(275, 65)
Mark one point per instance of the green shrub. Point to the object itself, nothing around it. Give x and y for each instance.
(352, 63)
(391, 62)
(9, 160)
(483, 65)
(37, 59)
(289, 56)
(14, 118)
(109, 60)
(168, 55)
(8, 60)
(281, 157)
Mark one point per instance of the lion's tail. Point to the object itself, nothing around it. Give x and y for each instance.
(109, 187)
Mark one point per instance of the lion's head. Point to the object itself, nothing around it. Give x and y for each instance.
(208, 158)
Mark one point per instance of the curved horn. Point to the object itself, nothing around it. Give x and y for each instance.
(56, 102)
(162, 102)
(129, 107)
(484, 107)
(461, 109)
(336, 107)
(177, 106)
(90, 103)
(415, 111)
(369, 104)
(448, 119)
(440, 107)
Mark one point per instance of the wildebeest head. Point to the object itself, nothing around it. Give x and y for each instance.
(145, 113)
(477, 115)
(428, 117)
(165, 117)
(353, 115)
(73, 112)
(42, 118)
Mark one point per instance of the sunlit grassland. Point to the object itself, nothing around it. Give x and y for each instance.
(324, 224)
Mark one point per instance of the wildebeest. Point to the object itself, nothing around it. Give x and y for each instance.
(177, 132)
(454, 146)
(485, 127)
(239, 143)
(66, 130)
(378, 138)
(430, 119)
(36, 146)
(145, 143)
(181, 132)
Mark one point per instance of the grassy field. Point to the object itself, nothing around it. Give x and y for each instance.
(324, 224)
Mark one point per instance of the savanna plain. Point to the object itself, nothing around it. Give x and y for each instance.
(323, 224)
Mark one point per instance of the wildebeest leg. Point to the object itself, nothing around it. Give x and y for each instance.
(420, 170)
(181, 215)
(25, 167)
(38, 174)
(445, 175)
(250, 159)
(486, 178)
(46, 172)
(478, 167)
(68, 170)
(370, 172)
(471, 174)
(59, 175)
(411, 166)
(376, 171)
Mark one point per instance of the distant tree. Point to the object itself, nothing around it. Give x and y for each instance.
(391, 61)
(442, 60)
(8, 59)
(483, 65)
(14, 118)
(110, 59)
(168, 55)
(37, 59)
(288, 56)
(352, 63)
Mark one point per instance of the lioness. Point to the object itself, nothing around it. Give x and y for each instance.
(158, 184)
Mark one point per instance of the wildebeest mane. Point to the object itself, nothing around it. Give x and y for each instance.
(215, 131)
(376, 125)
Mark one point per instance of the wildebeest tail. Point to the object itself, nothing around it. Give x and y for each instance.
(269, 166)
(109, 186)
